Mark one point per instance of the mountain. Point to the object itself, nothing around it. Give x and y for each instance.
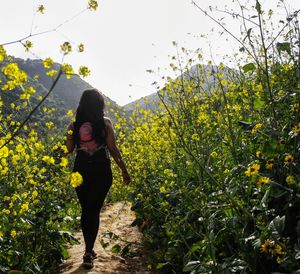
(64, 96)
(68, 90)
(206, 74)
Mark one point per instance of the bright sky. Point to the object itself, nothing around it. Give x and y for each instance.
(122, 39)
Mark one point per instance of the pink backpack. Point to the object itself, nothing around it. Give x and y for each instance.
(87, 142)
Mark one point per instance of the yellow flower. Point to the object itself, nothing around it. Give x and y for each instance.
(1, 235)
(76, 179)
(84, 71)
(20, 148)
(34, 194)
(80, 47)
(255, 128)
(5, 211)
(262, 181)
(70, 113)
(64, 162)
(270, 247)
(269, 163)
(41, 9)
(49, 160)
(51, 73)
(4, 151)
(288, 159)
(252, 170)
(13, 233)
(296, 128)
(214, 154)
(259, 154)
(265, 246)
(2, 53)
(92, 5)
(28, 44)
(276, 249)
(24, 207)
(66, 47)
(67, 70)
(195, 137)
(290, 179)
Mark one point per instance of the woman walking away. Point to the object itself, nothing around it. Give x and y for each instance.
(94, 140)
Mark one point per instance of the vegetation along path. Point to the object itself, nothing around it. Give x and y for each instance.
(115, 234)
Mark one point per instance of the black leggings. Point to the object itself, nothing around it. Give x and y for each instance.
(97, 179)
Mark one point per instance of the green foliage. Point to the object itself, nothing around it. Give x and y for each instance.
(216, 168)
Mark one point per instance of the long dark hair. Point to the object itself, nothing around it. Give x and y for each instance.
(91, 109)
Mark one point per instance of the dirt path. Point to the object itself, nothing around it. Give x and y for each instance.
(117, 219)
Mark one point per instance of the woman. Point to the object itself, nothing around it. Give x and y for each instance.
(93, 137)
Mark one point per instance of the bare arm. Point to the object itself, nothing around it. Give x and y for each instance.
(70, 141)
(114, 150)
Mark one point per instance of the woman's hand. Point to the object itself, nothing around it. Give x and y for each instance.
(126, 178)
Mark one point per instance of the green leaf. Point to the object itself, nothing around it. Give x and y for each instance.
(285, 46)
(249, 67)
(190, 266)
(104, 244)
(116, 249)
(258, 7)
(259, 103)
(276, 226)
(161, 265)
(264, 200)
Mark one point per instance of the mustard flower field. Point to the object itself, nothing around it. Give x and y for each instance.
(215, 166)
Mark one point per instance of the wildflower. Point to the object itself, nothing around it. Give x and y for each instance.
(80, 47)
(41, 9)
(13, 233)
(214, 154)
(24, 207)
(288, 159)
(195, 137)
(92, 5)
(64, 162)
(269, 163)
(295, 107)
(1, 235)
(4, 152)
(70, 113)
(262, 181)
(20, 148)
(76, 179)
(252, 170)
(276, 249)
(255, 128)
(296, 128)
(5, 211)
(48, 159)
(66, 47)
(51, 73)
(28, 44)
(290, 179)
(34, 194)
(259, 154)
(270, 247)
(2, 53)
(67, 70)
(265, 246)
(84, 71)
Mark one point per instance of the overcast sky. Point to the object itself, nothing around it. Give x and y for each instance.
(123, 38)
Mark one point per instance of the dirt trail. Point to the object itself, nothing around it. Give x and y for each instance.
(115, 218)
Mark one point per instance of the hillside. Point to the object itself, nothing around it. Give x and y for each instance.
(205, 72)
(68, 90)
